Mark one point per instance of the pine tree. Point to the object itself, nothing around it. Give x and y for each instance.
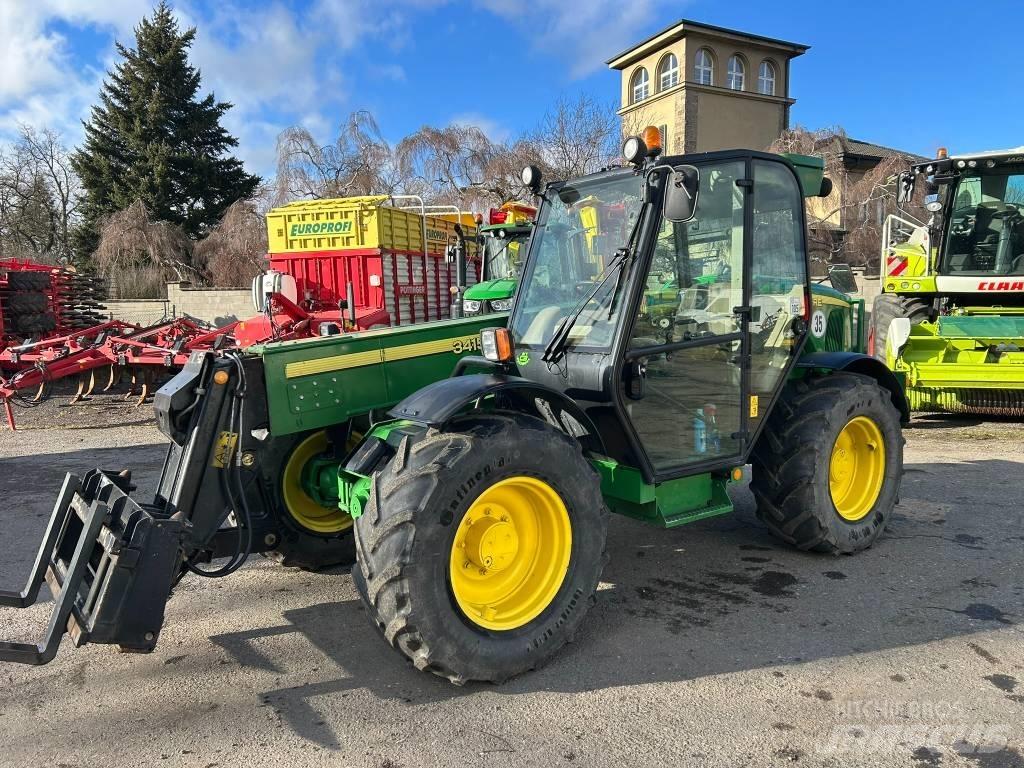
(152, 138)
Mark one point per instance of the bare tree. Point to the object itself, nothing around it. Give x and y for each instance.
(39, 197)
(453, 164)
(846, 226)
(234, 251)
(359, 162)
(576, 137)
(134, 250)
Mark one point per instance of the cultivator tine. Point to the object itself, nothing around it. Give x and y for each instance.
(147, 384)
(133, 385)
(42, 392)
(113, 377)
(91, 385)
(79, 395)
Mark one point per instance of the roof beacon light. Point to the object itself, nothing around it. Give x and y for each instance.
(942, 154)
(652, 138)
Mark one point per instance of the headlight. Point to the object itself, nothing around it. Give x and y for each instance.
(468, 305)
(501, 305)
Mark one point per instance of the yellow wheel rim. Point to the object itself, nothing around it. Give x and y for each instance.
(303, 508)
(511, 553)
(856, 471)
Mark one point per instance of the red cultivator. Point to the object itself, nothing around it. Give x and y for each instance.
(110, 348)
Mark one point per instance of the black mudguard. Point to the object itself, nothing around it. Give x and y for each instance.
(437, 404)
(865, 365)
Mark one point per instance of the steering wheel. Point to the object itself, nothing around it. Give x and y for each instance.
(964, 225)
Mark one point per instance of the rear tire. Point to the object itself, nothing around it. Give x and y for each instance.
(888, 307)
(806, 495)
(419, 512)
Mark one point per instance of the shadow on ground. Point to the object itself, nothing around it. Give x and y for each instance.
(722, 596)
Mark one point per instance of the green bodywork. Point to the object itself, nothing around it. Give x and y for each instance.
(321, 382)
(489, 290)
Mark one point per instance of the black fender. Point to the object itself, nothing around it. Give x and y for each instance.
(865, 365)
(437, 404)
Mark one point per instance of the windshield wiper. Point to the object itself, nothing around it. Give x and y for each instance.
(554, 350)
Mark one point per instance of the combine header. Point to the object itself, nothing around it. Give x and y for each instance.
(951, 315)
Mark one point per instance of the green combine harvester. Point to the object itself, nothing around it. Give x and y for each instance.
(467, 468)
(950, 320)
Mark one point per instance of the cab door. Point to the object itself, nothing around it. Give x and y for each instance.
(714, 334)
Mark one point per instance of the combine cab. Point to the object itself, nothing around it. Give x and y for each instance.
(951, 315)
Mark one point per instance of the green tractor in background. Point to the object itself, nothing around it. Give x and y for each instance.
(950, 320)
(502, 242)
(476, 509)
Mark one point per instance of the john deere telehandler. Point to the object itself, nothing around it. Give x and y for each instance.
(951, 316)
(478, 506)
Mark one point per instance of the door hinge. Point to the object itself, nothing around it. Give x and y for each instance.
(745, 183)
(745, 309)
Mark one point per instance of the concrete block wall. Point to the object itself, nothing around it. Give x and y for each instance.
(218, 306)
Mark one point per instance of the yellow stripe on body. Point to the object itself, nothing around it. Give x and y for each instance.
(333, 363)
(374, 356)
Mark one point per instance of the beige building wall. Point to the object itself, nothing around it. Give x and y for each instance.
(703, 118)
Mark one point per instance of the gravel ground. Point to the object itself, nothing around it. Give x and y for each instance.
(711, 645)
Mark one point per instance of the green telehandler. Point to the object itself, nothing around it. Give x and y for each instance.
(476, 509)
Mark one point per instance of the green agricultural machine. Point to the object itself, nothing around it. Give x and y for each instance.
(950, 320)
(502, 242)
(475, 510)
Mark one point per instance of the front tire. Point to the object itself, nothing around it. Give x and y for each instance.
(313, 536)
(828, 466)
(481, 547)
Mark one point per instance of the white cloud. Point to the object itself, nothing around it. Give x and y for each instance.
(41, 83)
(491, 128)
(585, 34)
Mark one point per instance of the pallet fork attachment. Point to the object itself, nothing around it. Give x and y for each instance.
(110, 565)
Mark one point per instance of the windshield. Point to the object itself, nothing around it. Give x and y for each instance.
(986, 227)
(580, 228)
(502, 255)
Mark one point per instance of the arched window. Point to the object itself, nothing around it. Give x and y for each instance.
(766, 78)
(704, 67)
(668, 72)
(735, 72)
(640, 85)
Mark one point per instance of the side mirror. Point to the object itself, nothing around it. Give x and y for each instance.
(826, 187)
(681, 194)
(842, 278)
(905, 188)
(932, 204)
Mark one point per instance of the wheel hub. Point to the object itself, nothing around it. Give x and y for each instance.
(856, 469)
(510, 553)
(491, 543)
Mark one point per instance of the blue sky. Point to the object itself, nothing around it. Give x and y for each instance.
(912, 75)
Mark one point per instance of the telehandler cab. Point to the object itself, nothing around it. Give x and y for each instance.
(479, 509)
